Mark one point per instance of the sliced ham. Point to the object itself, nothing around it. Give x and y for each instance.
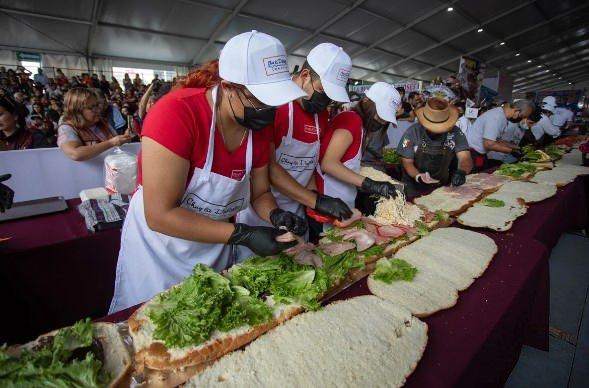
(371, 220)
(390, 231)
(428, 216)
(302, 245)
(484, 181)
(407, 229)
(356, 216)
(336, 248)
(380, 240)
(302, 253)
(362, 238)
(371, 228)
(306, 257)
(464, 192)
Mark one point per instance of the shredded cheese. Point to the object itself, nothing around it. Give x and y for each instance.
(397, 211)
(393, 210)
(376, 175)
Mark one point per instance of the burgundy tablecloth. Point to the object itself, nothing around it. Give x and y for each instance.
(53, 272)
(545, 221)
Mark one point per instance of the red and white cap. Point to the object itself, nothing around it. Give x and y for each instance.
(259, 62)
(333, 66)
(387, 100)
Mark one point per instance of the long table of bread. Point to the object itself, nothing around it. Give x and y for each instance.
(468, 296)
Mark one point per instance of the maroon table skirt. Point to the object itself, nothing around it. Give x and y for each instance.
(54, 272)
(545, 221)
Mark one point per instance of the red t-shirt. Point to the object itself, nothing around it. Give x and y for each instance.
(303, 124)
(181, 121)
(350, 121)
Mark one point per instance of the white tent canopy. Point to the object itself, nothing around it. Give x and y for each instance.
(388, 40)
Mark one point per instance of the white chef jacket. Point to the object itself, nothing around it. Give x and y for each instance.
(545, 126)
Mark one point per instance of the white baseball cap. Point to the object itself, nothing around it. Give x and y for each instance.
(333, 66)
(387, 100)
(548, 107)
(549, 100)
(259, 62)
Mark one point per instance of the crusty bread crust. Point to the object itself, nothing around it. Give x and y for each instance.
(157, 356)
(117, 358)
(164, 378)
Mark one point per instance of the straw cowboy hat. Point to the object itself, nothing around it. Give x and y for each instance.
(437, 116)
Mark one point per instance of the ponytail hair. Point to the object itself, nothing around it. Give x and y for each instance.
(205, 76)
(366, 109)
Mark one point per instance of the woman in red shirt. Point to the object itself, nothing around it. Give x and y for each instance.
(203, 160)
(342, 145)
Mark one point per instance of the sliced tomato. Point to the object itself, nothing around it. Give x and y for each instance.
(322, 219)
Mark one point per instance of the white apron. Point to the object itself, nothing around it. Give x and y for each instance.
(150, 262)
(335, 188)
(299, 159)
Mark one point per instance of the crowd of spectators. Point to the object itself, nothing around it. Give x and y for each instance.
(76, 113)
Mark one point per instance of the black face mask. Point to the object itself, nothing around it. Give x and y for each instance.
(318, 101)
(255, 118)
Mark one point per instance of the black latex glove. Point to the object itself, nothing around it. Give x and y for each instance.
(516, 154)
(6, 194)
(291, 221)
(382, 189)
(458, 178)
(333, 207)
(260, 239)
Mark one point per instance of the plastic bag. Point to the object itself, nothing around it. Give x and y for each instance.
(120, 172)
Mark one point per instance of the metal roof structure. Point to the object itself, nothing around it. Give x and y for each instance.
(539, 43)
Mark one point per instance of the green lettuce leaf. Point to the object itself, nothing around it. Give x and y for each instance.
(188, 314)
(332, 235)
(391, 156)
(287, 281)
(256, 274)
(422, 228)
(491, 202)
(337, 267)
(441, 216)
(244, 310)
(54, 364)
(390, 270)
(374, 250)
(516, 169)
(304, 287)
